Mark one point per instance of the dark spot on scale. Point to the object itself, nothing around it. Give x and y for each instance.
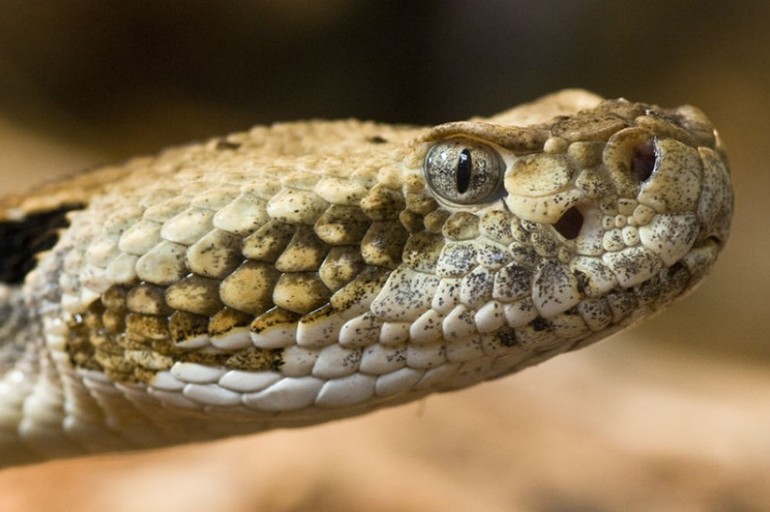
(277, 362)
(22, 240)
(377, 139)
(507, 337)
(643, 161)
(539, 324)
(582, 281)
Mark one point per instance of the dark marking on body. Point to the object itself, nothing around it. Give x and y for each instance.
(539, 324)
(21, 240)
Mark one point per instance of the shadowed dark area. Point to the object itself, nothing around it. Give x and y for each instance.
(569, 224)
(643, 161)
(22, 240)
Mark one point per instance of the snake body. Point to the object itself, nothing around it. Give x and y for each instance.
(305, 272)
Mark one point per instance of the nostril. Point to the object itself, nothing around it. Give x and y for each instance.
(570, 224)
(643, 161)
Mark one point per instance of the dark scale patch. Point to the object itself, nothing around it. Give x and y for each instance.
(383, 244)
(132, 346)
(250, 358)
(411, 221)
(369, 282)
(398, 356)
(582, 281)
(22, 240)
(539, 324)
(377, 139)
(79, 346)
(183, 325)
(277, 359)
(352, 360)
(507, 337)
(382, 203)
(227, 319)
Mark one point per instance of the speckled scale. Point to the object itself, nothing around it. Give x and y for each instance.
(461, 226)
(512, 282)
(382, 203)
(300, 292)
(304, 252)
(341, 191)
(477, 286)
(268, 242)
(249, 287)
(164, 264)
(340, 266)
(139, 238)
(383, 243)
(216, 254)
(342, 225)
(456, 259)
(242, 215)
(195, 294)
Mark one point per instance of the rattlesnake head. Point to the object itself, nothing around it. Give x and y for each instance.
(309, 271)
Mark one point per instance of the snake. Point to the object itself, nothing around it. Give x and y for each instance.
(305, 272)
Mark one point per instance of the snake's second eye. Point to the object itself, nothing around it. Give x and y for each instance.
(464, 171)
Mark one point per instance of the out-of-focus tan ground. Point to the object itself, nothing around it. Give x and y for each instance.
(672, 416)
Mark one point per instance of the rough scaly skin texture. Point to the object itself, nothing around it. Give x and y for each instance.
(309, 271)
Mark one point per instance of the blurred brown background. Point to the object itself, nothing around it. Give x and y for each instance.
(673, 415)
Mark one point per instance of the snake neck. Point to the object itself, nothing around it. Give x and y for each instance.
(14, 320)
(20, 362)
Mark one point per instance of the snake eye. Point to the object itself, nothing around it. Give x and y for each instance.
(463, 171)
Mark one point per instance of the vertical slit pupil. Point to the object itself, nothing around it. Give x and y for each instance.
(464, 171)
